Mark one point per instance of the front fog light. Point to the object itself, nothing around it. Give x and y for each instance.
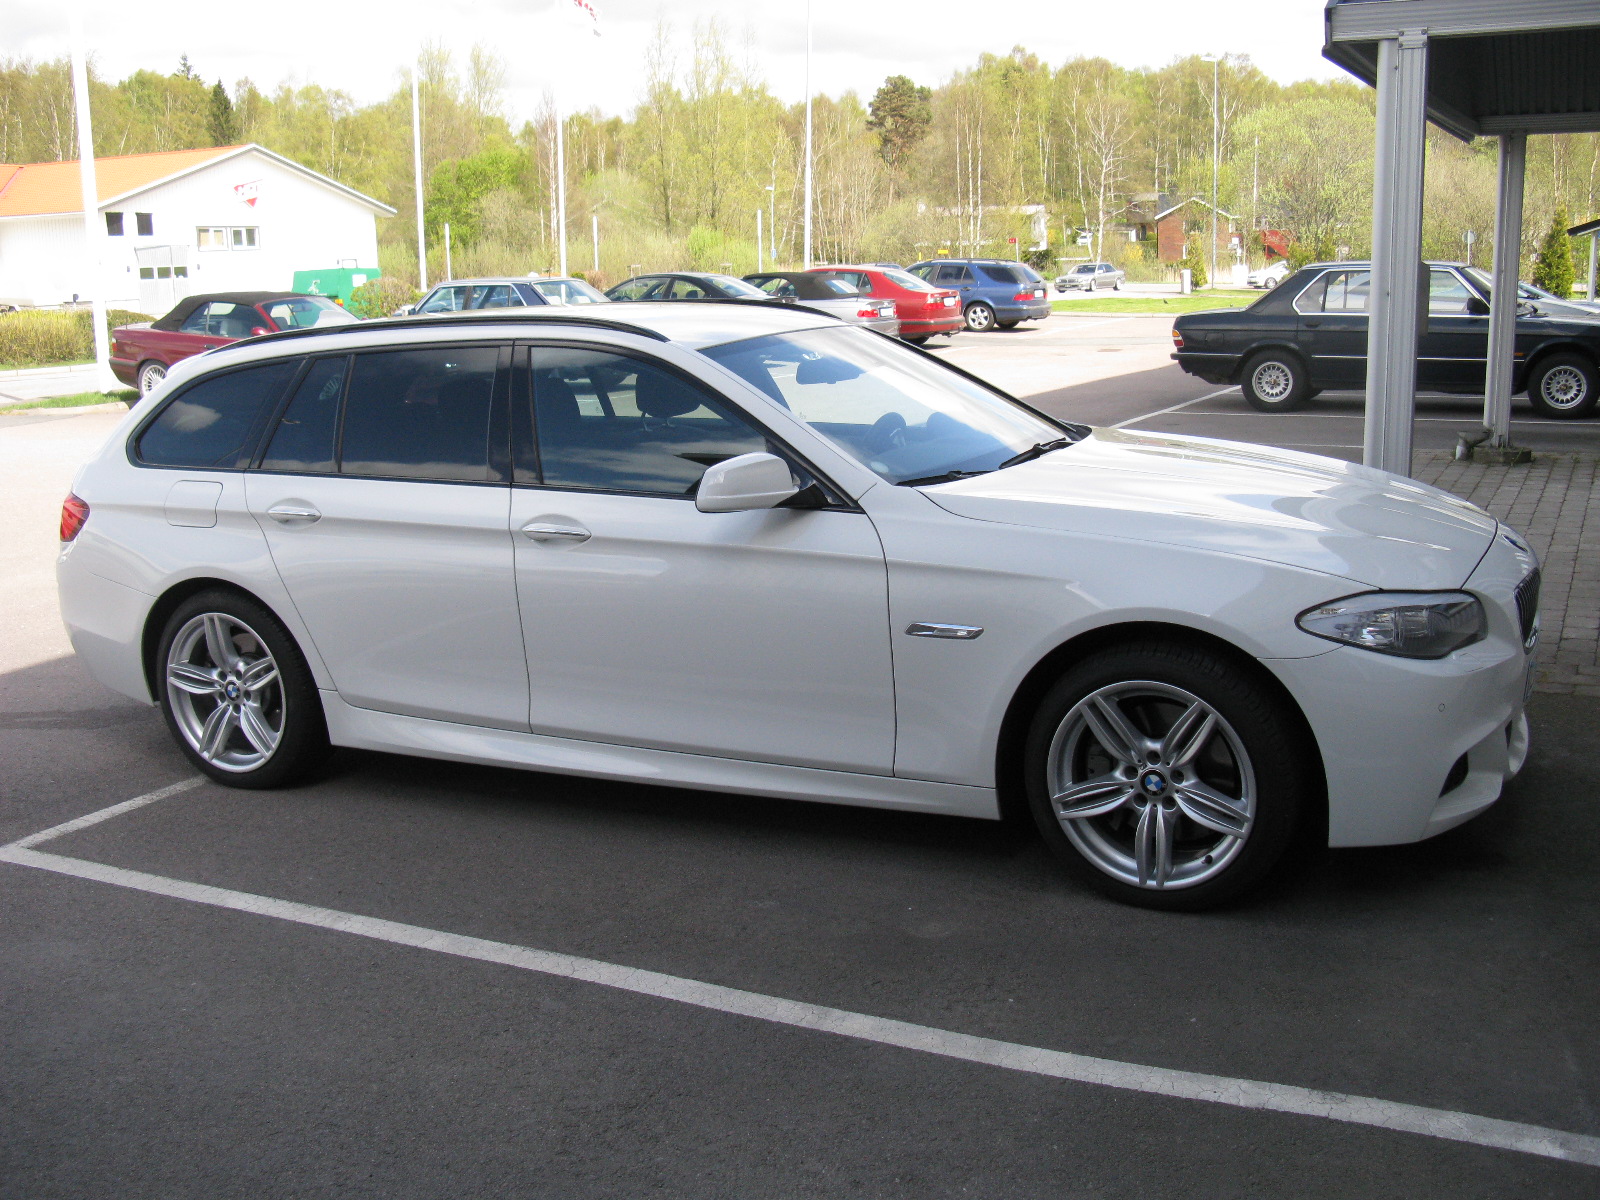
(1408, 624)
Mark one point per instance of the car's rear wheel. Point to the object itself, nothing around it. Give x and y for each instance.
(150, 377)
(980, 317)
(920, 340)
(1164, 776)
(1117, 286)
(1563, 387)
(1275, 382)
(237, 694)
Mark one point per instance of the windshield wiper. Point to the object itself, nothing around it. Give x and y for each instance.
(942, 477)
(1037, 450)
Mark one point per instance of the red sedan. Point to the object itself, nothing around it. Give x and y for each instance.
(923, 309)
(141, 354)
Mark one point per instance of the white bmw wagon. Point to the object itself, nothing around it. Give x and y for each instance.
(751, 549)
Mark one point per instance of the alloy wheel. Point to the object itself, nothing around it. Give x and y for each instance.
(979, 318)
(151, 376)
(225, 692)
(1151, 785)
(1272, 381)
(1564, 387)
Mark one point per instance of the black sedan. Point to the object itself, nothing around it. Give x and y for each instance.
(687, 285)
(1310, 333)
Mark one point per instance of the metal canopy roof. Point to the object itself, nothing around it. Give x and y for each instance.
(1494, 66)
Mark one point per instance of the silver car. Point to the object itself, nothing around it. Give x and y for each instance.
(831, 295)
(1089, 277)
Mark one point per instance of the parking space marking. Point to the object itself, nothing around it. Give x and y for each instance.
(1164, 411)
(1035, 1060)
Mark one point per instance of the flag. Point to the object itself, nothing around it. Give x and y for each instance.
(584, 13)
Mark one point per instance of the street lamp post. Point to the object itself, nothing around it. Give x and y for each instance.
(1216, 146)
(807, 250)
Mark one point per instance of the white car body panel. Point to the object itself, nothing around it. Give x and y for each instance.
(756, 635)
(1228, 541)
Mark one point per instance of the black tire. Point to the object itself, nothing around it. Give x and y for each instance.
(1008, 324)
(150, 376)
(1275, 381)
(286, 702)
(979, 317)
(1117, 286)
(1269, 284)
(920, 340)
(1252, 743)
(1564, 387)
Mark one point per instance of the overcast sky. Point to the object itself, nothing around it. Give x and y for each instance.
(361, 46)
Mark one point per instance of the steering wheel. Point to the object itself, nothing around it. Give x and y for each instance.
(888, 432)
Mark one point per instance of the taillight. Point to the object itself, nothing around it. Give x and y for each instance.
(1023, 296)
(1177, 340)
(74, 512)
(870, 313)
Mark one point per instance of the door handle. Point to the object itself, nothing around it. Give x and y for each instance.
(1311, 324)
(540, 532)
(284, 514)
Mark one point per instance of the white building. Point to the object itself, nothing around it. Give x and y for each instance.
(220, 219)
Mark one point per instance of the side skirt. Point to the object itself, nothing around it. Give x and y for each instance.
(366, 729)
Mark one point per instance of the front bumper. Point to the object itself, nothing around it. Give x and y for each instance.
(1394, 732)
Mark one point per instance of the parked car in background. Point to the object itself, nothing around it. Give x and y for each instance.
(687, 285)
(1269, 276)
(749, 549)
(1548, 301)
(1310, 333)
(458, 295)
(1091, 277)
(829, 294)
(924, 311)
(995, 293)
(141, 354)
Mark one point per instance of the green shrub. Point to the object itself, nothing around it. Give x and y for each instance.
(1194, 259)
(380, 297)
(39, 338)
(1553, 270)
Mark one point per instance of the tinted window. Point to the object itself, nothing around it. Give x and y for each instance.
(1002, 274)
(615, 423)
(303, 441)
(195, 322)
(420, 414)
(634, 289)
(687, 289)
(954, 273)
(207, 425)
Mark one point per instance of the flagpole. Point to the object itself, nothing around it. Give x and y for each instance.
(416, 162)
(808, 139)
(93, 222)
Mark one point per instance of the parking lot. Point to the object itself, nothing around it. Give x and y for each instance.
(418, 979)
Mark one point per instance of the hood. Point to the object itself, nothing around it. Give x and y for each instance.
(1258, 502)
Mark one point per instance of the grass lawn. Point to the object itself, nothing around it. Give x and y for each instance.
(77, 401)
(1159, 304)
(36, 366)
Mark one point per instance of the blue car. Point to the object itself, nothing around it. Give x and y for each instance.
(994, 293)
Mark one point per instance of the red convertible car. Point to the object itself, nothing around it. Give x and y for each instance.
(923, 309)
(141, 354)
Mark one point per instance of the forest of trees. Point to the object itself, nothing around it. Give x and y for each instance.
(914, 169)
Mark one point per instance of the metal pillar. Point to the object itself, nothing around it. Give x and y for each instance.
(1594, 260)
(1503, 304)
(1398, 289)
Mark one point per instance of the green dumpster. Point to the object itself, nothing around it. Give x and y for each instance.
(334, 282)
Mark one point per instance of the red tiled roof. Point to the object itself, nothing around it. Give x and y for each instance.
(36, 189)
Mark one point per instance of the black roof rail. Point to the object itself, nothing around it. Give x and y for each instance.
(496, 316)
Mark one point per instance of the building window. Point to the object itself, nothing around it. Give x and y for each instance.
(114, 224)
(144, 224)
(210, 237)
(147, 272)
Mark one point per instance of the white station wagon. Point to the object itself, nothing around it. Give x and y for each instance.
(754, 550)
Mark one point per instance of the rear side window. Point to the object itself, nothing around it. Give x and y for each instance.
(304, 440)
(953, 273)
(1000, 273)
(420, 414)
(209, 423)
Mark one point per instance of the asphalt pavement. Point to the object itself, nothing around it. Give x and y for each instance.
(417, 979)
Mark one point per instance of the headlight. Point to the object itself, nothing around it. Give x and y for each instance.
(1408, 624)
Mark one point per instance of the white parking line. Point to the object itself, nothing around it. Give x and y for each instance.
(1176, 407)
(1034, 1060)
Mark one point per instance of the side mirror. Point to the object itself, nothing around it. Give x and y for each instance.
(747, 482)
(1476, 307)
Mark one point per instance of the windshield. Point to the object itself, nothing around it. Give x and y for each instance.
(899, 414)
(569, 291)
(737, 287)
(305, 312)
(908, 281)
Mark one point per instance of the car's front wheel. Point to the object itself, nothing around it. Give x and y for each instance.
(1275, 382)
(980, 317)
(237, 694)
(1563, 386)
(1165, 776)
(151, 375)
